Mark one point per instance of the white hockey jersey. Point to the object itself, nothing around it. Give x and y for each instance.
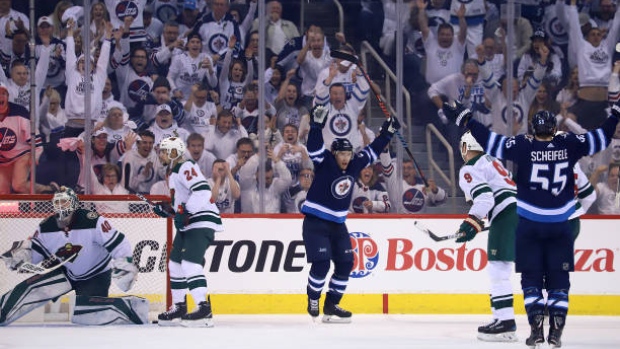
(189, 187)
(484, 180)
(224, 200)
(376, 194)
(91, 236)
(412, 198)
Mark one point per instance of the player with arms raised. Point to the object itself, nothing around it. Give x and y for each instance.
(545, 201)
(486, 182)
(86, 242)
(326, 207)
(196, 218)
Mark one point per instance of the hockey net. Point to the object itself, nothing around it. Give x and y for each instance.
(149, 235)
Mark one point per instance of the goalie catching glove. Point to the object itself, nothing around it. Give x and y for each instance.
(469, 228)
(124, 273)
(457, 113)
(319, 116)
(19, 253)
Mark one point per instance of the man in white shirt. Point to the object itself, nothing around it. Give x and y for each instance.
(444, 54)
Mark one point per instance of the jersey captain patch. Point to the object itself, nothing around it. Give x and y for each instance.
(342, 186)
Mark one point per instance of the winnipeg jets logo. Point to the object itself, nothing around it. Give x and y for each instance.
(342, 186)
(340, 125)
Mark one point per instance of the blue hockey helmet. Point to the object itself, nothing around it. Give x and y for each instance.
(341, 144)
(544, 123)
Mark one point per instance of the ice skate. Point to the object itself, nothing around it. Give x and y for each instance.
(537, 336)
(172, 317)
(202, 317)
(556, 325)
(332, 313)
(498, 331)
(313, 307)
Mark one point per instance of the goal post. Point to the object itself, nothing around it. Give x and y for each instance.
(150, 237)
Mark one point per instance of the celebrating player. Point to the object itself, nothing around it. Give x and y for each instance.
(196, 219)
(545, 201)
(484, 180)
(86, 243)
(324, 231)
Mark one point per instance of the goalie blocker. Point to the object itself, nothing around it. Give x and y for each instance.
(37, 290)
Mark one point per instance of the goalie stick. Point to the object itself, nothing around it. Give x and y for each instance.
(436, 237)
(353, 59)
(42, 267)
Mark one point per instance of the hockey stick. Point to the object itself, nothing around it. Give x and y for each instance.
(351, 58)
(436, 237)
(41, 267)
(143, 198)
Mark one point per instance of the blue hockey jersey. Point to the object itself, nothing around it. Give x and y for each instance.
(544, 177)
(329, 196)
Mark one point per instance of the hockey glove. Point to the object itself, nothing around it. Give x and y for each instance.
(181, 218)
(318, 116)
(161, 210)
(19, 253)
(390, 126)
(457, 113)
(469, 228)
(124, 273)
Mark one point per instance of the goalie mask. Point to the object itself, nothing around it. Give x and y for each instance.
(172, 143)
(65, 202)
(468, 142)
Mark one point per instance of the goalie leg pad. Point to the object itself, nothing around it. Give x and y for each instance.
(32, 293)
(93, 310)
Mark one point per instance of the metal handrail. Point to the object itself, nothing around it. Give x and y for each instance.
(302, 10)
(390, 77)
(432, 164)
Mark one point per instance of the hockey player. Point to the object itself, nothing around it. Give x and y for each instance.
(486, 182)
(86, 243)
(196, 219)
(326, 207)
(545, 201)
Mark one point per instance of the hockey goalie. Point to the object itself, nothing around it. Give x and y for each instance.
(74, 249)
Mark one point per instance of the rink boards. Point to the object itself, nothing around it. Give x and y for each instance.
(258, 266)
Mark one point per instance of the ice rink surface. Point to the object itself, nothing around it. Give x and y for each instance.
(299, 332)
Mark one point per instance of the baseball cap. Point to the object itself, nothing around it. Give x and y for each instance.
(45, 19)
(189, 4)
(163, 107)
(539, 34)
(100, 132)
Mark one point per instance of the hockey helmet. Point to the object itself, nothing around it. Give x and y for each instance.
(468, 142)
(172, 143)
(65, 202)
(543, 124)
(341, 144)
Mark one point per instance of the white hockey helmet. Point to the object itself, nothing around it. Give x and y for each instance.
(170, 143)
(65, 202)
(468, 142)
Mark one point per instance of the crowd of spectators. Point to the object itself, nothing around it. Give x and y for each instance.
(189, 68)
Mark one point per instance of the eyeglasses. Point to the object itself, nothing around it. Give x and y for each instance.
(307, 175)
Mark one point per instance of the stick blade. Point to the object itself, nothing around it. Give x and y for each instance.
(427, 231)
(344, 56)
